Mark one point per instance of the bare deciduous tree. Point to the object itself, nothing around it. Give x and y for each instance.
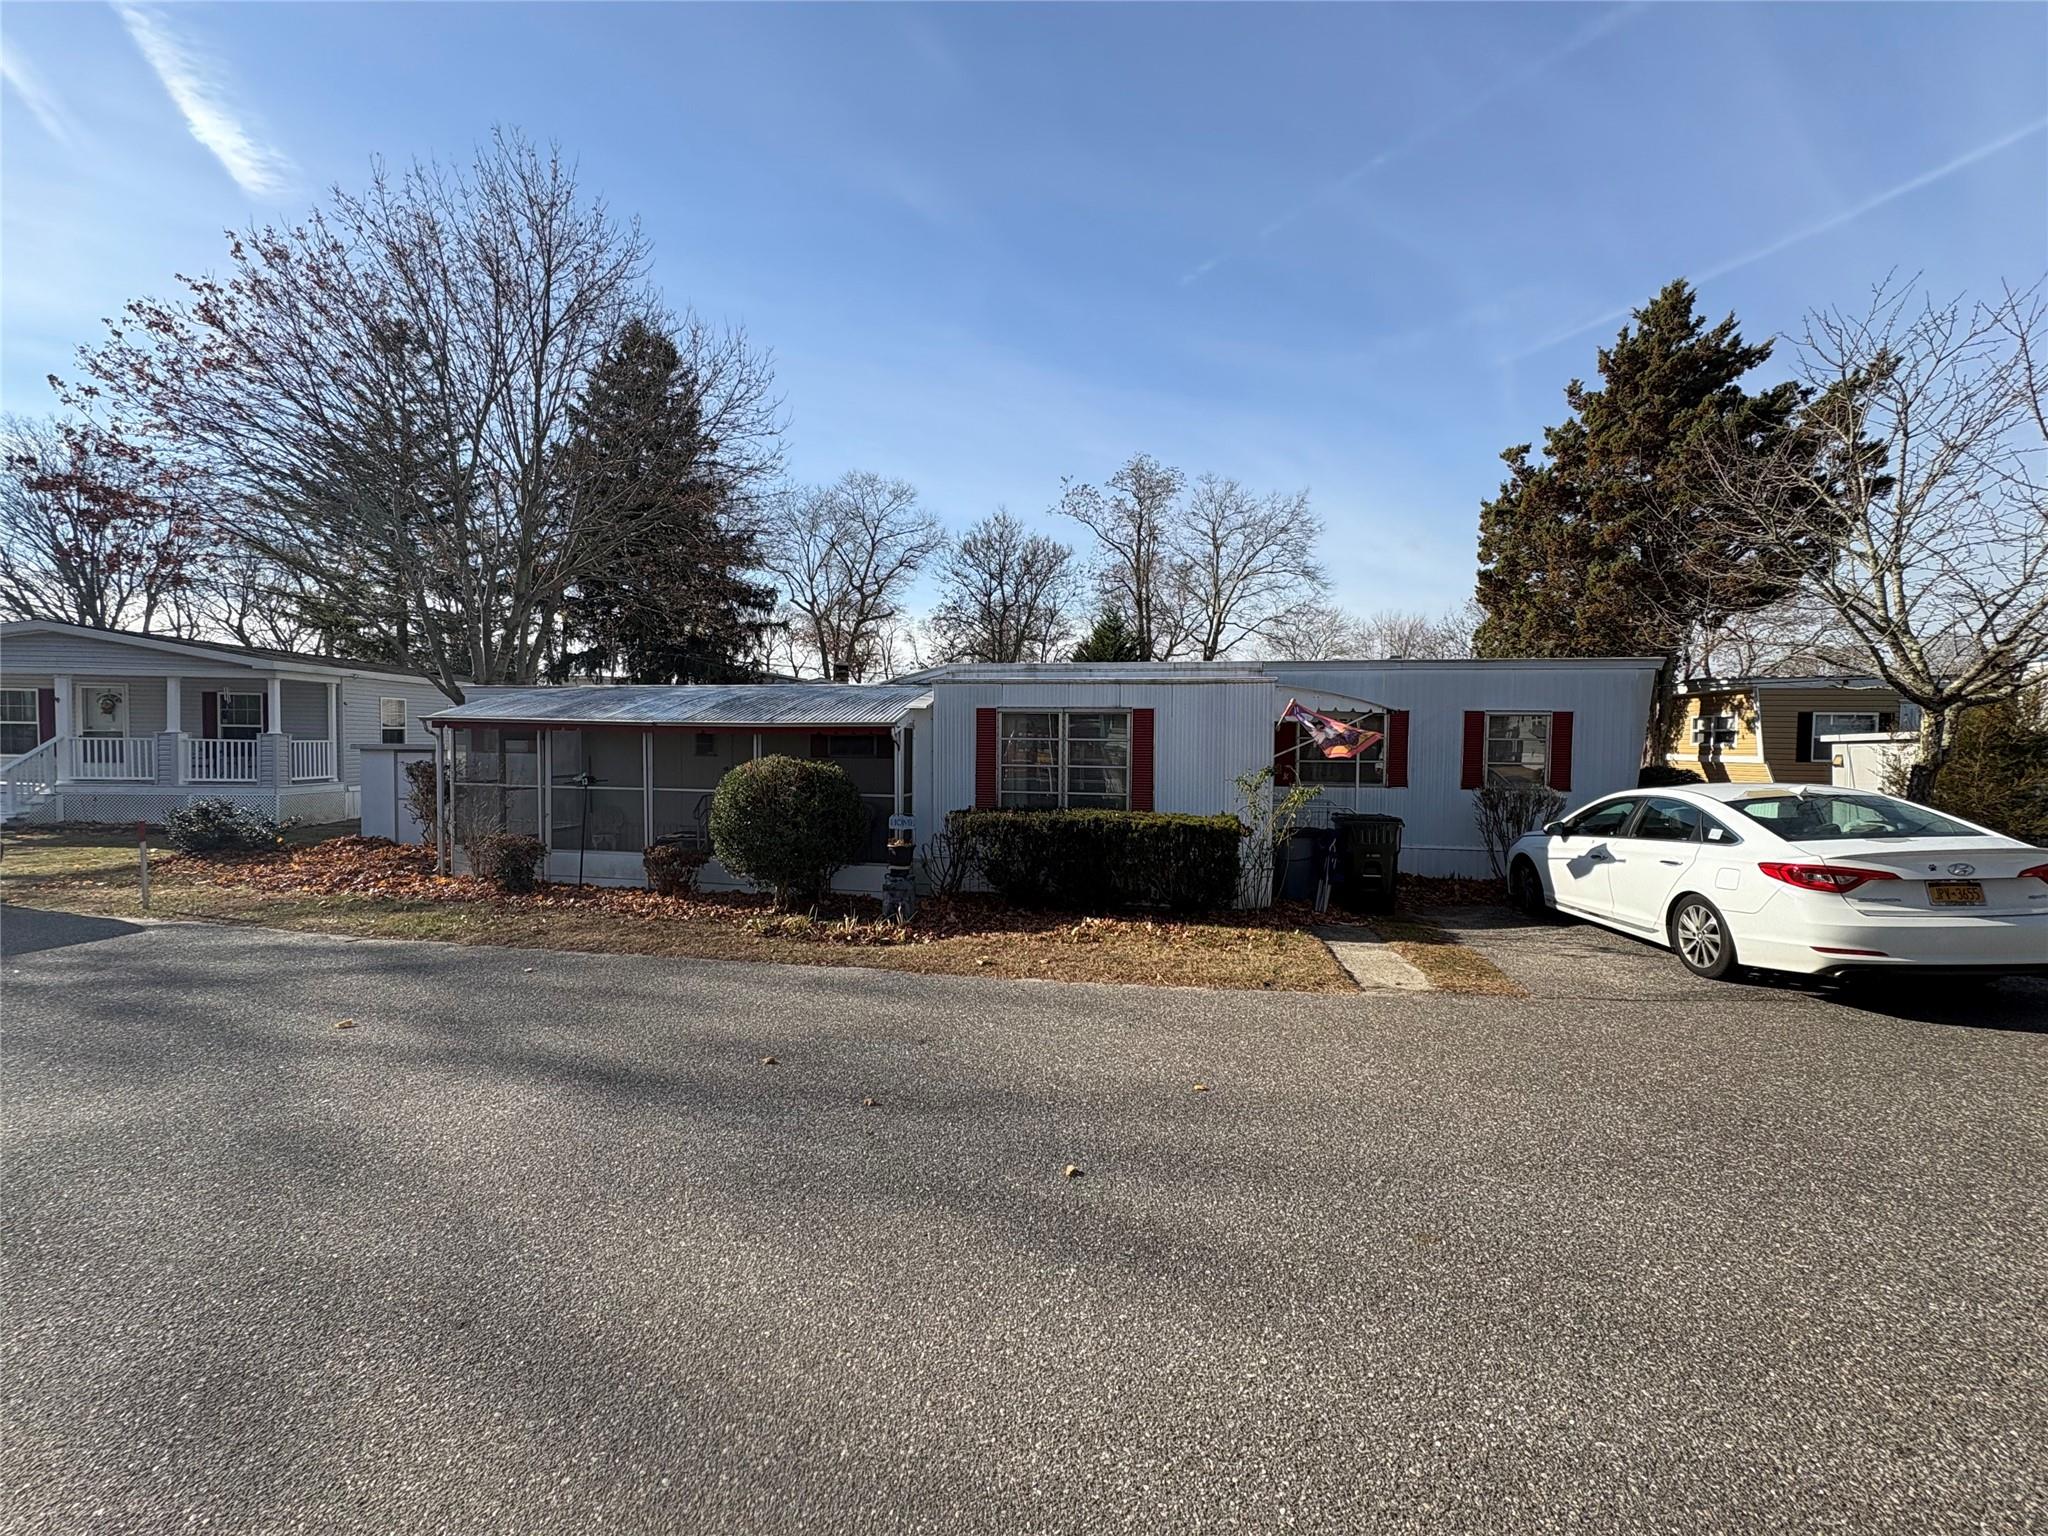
(1931, 424)
(1247, 562)
(845, 555)
(384, 392)
(93, 530)
(1138, 569)
(1006, 594)
(1321, 631)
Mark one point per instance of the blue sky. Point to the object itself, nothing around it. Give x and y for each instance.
(1353, 248)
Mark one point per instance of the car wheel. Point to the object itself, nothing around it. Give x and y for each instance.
(1525, 891)
(1700, 938)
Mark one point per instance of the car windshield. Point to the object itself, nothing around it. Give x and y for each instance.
(1817, 818)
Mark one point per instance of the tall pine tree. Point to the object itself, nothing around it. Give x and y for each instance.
(669, 598)
(1613, 543)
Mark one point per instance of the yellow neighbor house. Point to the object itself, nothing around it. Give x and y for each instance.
(1762, 730)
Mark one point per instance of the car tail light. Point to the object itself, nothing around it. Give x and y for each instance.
(1835, 878)
(2038, 872)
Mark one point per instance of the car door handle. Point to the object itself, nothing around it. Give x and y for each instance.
(1673, 862)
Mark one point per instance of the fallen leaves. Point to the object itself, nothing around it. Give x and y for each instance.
(389, 888)
(1071, 1171)
(345, 1024)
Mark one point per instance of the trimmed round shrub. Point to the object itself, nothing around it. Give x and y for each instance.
(221, 826)
(1094, 861)
(788, 824)
(672, 866)
(507, 860)
(1664, 776)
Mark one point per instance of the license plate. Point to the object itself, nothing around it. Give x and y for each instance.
(1955, 893)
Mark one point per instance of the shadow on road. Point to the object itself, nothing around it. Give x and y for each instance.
(24, 930)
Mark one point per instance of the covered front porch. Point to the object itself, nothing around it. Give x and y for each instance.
(167, 732)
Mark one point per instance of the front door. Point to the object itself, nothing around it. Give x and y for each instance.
(101, 709)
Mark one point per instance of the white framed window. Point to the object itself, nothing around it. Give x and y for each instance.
(18, 724)
(240, 716)
(1077, 758)
(1841, 722)
(1518, 748)
(1714, 731)
(391, 720)
(1368, 768)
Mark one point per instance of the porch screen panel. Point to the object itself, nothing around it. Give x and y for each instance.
(687, 768)
(597, 791)
(495, 780)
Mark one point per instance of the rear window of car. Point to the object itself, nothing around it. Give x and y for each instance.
(1816, 818)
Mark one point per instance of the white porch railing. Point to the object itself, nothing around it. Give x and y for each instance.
(208, 761)
(28, 778)
(112, 757)
(312, 760)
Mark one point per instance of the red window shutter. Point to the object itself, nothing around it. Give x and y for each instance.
(1397, 749)
(1561, 749)
(1141, 759)
(1475, 749)
(1283, 753)
(984, 759)
(46, 714)
(265, 696)
(209, 715)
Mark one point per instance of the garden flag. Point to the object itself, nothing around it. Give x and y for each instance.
(1333, 738)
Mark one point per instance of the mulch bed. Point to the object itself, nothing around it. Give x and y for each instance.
(372, 867)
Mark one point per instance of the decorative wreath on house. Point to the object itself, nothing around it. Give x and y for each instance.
(109, 704)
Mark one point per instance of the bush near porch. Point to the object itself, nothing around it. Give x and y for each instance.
(1098, 861)
(789, 824)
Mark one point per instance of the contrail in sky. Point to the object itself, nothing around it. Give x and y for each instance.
(197, 88)
(1806, 232)
(1473, 105)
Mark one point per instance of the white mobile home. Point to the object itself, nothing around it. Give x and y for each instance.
(597, 772)
(105, 726)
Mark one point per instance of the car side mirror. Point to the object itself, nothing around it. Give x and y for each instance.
(1555, 829)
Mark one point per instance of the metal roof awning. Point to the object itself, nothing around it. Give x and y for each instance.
(762, 706)
(1322, 701)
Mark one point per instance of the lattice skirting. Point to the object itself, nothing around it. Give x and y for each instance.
(114, 807)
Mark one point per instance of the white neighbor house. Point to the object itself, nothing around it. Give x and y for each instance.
(105, 726)
(597, 771)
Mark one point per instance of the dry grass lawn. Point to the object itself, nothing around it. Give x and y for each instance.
(351, 886)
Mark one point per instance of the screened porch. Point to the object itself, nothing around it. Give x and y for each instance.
(596, 796)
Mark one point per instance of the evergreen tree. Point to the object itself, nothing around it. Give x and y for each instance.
(1614, 544)
(669, 599)
(1112, 639)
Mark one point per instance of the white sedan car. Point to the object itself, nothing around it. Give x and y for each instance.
(1791, 877)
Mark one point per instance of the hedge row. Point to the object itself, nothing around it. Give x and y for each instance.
(1101, 860)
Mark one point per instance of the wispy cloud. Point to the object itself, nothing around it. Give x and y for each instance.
(198, 87)
(41, 101)
(1805, 232)
(1436, 127)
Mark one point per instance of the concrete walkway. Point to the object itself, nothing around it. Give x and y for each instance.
(1370, 962)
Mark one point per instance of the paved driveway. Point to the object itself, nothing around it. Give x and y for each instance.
(542, 1246)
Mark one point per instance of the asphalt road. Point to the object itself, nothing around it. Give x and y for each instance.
(541, 1245)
